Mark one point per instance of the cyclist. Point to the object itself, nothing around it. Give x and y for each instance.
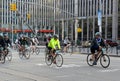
(7, 41)
(54, 44)
(34, 43)
(66, 44)
(23, 43)
(48, 40)
(2, 43)
(97, 44)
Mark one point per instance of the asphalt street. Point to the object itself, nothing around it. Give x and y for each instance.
(74, 68)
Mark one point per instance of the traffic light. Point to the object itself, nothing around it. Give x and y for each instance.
(13, 7)
(28, 16)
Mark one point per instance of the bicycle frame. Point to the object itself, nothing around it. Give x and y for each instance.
(99, 55)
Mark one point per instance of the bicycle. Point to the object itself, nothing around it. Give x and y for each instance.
(2, 55)
(68, 49)
(24, 51)
(104, 59)
(36, 50)
(58, 59)
(8, 54)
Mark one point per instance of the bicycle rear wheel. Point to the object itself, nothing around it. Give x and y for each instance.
(27, 54)
(105, 61)
(48, 59)
(89, 60)
(59, 60)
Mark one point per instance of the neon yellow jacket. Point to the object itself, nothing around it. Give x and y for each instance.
(53, 43)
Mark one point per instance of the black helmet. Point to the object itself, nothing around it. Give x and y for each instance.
(56, 36)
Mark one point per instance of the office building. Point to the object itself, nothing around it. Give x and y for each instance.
(65, 17)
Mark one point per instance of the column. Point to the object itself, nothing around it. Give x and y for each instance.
(106, 20)
(62, 29)
(76, 20)
(88, 20)
(54, 17)
(115, 20)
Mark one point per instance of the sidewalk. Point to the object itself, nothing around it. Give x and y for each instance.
(79, 50)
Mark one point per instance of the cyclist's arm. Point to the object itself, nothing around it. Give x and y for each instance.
(58, 43)
(103, 43)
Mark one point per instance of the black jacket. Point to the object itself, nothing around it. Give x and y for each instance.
(2, 42)
(7, 42)
(94, 43)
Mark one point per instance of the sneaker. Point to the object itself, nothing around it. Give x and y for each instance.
(94, 63)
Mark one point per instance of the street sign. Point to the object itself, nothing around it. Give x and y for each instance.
(99, 17)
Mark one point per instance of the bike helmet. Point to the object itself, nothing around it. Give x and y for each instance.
(55, 36)
(97, 34)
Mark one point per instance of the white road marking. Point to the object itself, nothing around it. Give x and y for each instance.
(41, 64)
(109, 70)
(63, 66)
(68, 66)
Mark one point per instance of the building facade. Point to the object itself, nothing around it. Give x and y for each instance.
(86, 13)
(14, 20)
(65, 17)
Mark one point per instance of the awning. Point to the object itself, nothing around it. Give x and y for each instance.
(46, 31)
(5, 30)
(27, 30)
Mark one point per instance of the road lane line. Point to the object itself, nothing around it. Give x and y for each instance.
(109, 70)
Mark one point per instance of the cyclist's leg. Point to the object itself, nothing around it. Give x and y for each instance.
(33, 48)
(65, 48)
(93, 53)
(68, 47)
(99, 51)
(54, 55)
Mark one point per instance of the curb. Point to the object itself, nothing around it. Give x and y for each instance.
(87, 53)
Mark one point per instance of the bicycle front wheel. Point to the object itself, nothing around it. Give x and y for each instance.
(48, 59)
(59, 60)
(20, 54)
(2, 58)
(90, 60)
(37, 51)
(105, 61)
(9, 56)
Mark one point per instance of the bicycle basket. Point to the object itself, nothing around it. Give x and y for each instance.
(104, 50)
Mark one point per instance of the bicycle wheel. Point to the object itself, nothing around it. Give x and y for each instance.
(105, 61)
(2, 58)
(20, 54)
(89, 60)
(27, 54)
(59, 60)
(37, 51)
(48, 59)
(31, 51)
(9, 56)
